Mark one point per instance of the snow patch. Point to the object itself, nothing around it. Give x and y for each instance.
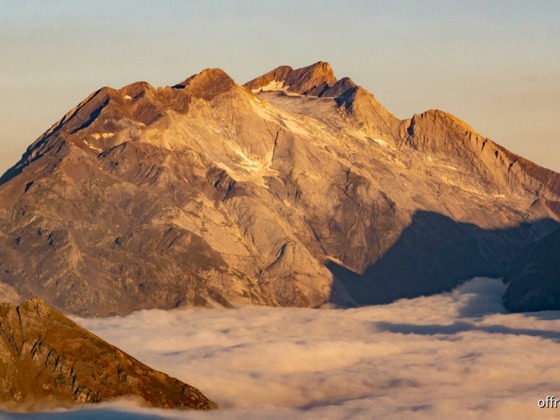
(98, 136)
(248, 169)
(381, 142)
(251, 165)
(336, 260)
(92, 147)
(273, 86)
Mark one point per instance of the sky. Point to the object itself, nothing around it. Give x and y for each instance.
(452, 355)
(495, 65)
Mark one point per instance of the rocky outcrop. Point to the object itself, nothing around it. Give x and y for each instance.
(312, 80)
(47, 360)
(438, 133)
(296, 189)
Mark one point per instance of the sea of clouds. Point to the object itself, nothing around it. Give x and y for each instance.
(453, 355)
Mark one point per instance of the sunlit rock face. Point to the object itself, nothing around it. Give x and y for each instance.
(296, 189)
(47, 360)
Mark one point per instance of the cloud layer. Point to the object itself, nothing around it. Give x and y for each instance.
(454, 355)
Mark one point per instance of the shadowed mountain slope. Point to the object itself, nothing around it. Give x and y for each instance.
(436, 253)
(534, 278)
(211, 193)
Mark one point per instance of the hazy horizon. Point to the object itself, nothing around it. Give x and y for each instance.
(494, 65)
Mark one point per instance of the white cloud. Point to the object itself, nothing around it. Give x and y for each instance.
(454, 355)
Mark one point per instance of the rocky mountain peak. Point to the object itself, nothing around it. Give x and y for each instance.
(151, 198)
(312, 80)
(441, 120)
(306, 78)
(38, 304)
(208, 83)
(438, 131)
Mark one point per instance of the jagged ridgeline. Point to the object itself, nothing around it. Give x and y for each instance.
(295, 189)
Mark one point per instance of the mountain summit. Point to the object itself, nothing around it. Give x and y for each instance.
(315, 80)
(295, 189)
(311, 80)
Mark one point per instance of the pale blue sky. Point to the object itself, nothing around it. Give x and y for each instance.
(494, 64)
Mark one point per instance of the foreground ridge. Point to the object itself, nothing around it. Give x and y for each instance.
(48, 360)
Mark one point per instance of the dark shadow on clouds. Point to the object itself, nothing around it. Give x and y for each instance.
(463, 326)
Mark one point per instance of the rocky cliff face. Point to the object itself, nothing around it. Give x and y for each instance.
(47, 360)
(296, 189)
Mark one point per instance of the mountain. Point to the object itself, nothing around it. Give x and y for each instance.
(48, 360)
(534, 278)
(295, 189)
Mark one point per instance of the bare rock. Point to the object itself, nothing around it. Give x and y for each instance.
(296, 189)
(47, 360)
